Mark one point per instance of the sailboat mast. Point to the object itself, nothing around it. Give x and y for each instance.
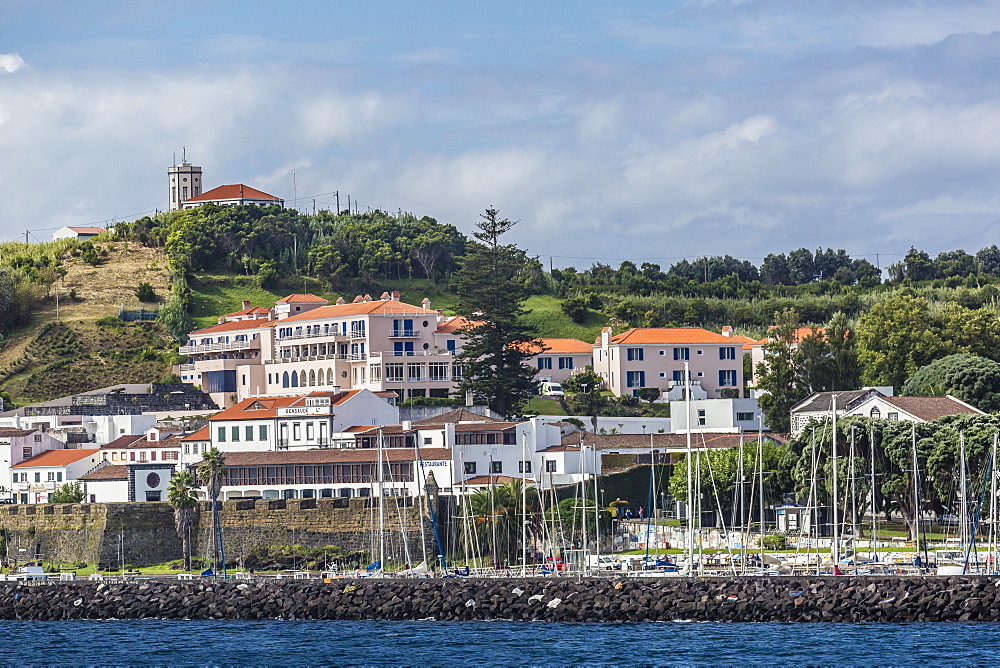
(963, 499)
(760, 458)
(597, 515)
(854, 506)
(993, 504)
(835, 552)
(916, 492)
(871, 456)
(524, 504)
(690, 482)
(381, 505)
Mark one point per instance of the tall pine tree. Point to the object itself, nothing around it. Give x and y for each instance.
(492, 286)
(779, 376)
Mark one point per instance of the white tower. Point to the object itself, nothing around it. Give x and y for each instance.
(185, 182)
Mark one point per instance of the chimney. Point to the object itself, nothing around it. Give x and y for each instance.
(426, 304)
(727, 332)
(246, 304)
(358, 299)
(367, 298)
(395, 295)
(384, 297)
(407, 425)
(222, 319)
(340, 301)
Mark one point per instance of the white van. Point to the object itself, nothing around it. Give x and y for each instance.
(549, 389)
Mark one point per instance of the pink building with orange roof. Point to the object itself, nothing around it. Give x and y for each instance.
(656, 357)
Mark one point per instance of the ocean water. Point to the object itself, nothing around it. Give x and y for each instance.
(150, 642)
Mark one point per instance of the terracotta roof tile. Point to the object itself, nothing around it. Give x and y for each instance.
(232, 191)
(568, 346)
(87, 230)
(457, 415)
(123, 442)
(257, 408)
(302, 299)
(109, 472)
(670, 335)
(361, 308)
(58, 457)
(203, 434)
(452, 324)
(234, 326)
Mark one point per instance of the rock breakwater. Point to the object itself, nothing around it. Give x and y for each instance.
(840, 599)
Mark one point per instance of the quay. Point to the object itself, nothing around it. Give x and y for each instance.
(749, 599)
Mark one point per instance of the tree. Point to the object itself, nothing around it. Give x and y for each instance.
(144, 293)
(649, 394)
(973, 379)
(181, 497)
(814, 361)
(498, 343)
(779, 380)
(845, 371)
(895, 338)
(71, 492)
(585, 397)
(496, 515)
(211, 474)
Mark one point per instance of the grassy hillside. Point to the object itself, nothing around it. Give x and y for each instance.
(547, 316)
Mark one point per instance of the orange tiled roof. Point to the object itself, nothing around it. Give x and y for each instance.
(565, 346)
(202, 434)
(87, 230)
(303, 299)
(253, 310)
(234, 326)
(670, 335)
(257, 408)
(232, 191)
(380, 307)
(452, 325)
(58, 457)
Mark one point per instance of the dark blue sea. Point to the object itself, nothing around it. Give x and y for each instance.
(491, 643)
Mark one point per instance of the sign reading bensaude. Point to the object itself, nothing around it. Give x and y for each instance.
(306, 410)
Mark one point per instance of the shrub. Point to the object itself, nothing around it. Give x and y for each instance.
(109, 322)
(144, 293)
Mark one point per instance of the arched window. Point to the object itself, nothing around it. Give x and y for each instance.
(330, 380)
(284, 379)
(295, 379)
(321, 381)
(875, 413)
(312, 378)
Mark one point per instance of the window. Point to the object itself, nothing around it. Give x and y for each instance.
(450, 345)
(727, 353)
(52, 476)
(26, 452)
(222, 435)
(297, 431)
(131, 456)
(544, 362)
(701, 417)
(437, 371)
(415, 373)
(309, 431)
(496, 467)
(38, 476)
(875, 412)
(727, 377)
(59, 476)
(682, 354)
(565, 362)
(892, 416)
(456, 371)
(394, 373)
(235, 433)
(744, 417)
(170, 455)
(635, 379)
(153, 496)
(375, 372)
(633, 354)
(524, 466)
(550, 466)
(248, 433)
(262, 432)
(470, 468)
(152, 455)
(38, 437)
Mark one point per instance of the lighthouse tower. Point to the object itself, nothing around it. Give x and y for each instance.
(185, 182)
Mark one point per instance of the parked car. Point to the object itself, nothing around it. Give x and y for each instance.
(549, 389)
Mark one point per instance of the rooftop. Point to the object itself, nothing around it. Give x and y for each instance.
(57, 457)
(233, 191)
(335, 456)
(669, 336)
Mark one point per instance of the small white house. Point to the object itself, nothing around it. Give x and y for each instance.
(33, 480)
(16, 445)
(81, 233)
(116, 483)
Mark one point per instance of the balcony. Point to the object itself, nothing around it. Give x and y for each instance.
(310, 335)
(216, 347)
(187, 367)
(357, 334)
(404, 333)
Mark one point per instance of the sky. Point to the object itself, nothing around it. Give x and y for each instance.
(611, 130)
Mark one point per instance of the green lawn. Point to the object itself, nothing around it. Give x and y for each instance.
(548, 318)
(543, 406)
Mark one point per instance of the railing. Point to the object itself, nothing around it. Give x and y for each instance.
(187, 367)
(681, 383)
(213, 347)
(416, 353)
(357, 334)
(404, 333)
(310, 335)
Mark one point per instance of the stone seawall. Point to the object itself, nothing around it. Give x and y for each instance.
(840, 599)
(101, 533)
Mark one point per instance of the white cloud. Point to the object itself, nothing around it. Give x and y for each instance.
(11, 62)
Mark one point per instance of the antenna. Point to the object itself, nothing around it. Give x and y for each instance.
(184, 155)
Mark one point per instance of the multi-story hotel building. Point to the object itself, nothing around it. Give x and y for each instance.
(305, 343)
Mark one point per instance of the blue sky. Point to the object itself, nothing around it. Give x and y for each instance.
(611, 130)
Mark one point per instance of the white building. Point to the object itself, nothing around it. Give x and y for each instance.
(17, 445)
(81, 233)
(315, 420)
(716, 415)
(36, 478)
(117, 483)
(234, 194)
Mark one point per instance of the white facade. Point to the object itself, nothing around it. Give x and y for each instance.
(716, 415)
(17, 445)
(184, 182)
(34, 479)
(116, 483)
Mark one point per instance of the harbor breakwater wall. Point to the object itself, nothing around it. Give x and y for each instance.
(839, 599)
(141, 534)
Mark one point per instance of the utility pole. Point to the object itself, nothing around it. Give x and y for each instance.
(337, 193)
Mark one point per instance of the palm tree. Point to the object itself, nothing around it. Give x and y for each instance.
(211, 473)
(497, 514)
(181, 496)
